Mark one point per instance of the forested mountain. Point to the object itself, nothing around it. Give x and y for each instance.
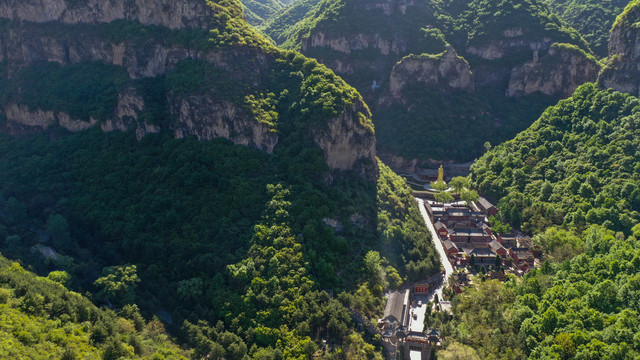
(280, 26)
(576, 165)
(570, 166)
(170, 163)
(593, 19)
(41, 319)
(184, 164)
(487, 67)
(571, 179)
(258, 12)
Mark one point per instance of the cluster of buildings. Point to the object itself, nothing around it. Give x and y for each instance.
(396, 330)
(468, 240)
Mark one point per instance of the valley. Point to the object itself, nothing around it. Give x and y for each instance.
(319, 179)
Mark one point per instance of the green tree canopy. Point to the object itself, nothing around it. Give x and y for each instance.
(118, 283)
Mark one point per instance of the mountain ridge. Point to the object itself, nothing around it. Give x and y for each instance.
(220, 54)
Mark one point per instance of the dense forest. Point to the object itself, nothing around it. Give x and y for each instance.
(167, 240)
(206, 230)
(571, 181)
(41, 319)
(240, 253)
(280, 26)
(593, 19)
(574, 166)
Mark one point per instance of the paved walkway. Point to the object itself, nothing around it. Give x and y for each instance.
(448, 269)
(417, 324)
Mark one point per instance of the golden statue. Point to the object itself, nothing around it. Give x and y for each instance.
(440, 174)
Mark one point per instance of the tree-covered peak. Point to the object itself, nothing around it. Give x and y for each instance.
(592, 18)
(629, 16)
(575, 166)
(485, 19)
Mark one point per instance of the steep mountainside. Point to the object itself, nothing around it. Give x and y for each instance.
(572, 180)
(576, 165)
(257, 12)
(509, 60)
(593, 19)
(251, 243)
(40, 319)
(279, 27)
(190, 82)
(622, 71)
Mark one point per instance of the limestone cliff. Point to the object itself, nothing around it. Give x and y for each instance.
(355, 39)
(169, 13)
(517, 50)
(210, 104)
(444, 72)
(347, 44)
(206, 118)
(622, 71)
(346, 144)
(558, 73)
(357, 52)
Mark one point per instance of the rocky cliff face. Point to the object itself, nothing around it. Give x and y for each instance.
(512, 40)
(557, 73)
(55, 31)
(347, 44)
(29, 43)
(168, 13)
(21, 119)
(208, 118)
(389, 7)
(622, 71)
(501, 54)
(444, 72)
(346, 144)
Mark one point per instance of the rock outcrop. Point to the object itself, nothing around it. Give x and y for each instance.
(27, 43)
(169, 13)
(347, 44)
(512, 40)
(346, 144)
(557, 73)
(22, 119)
(444, 72)
(389, 7)
(502, 53)
(622, 71)
(207, 118)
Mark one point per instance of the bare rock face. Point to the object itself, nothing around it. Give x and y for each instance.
(389, 7)
(445, 72)
(206, 118)
(31, 43)
(348, 44)
(21, 119)
(513, 40)
(504, 51)
(347, 145)
(557, 73)
(169, 13)
(622, 71)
